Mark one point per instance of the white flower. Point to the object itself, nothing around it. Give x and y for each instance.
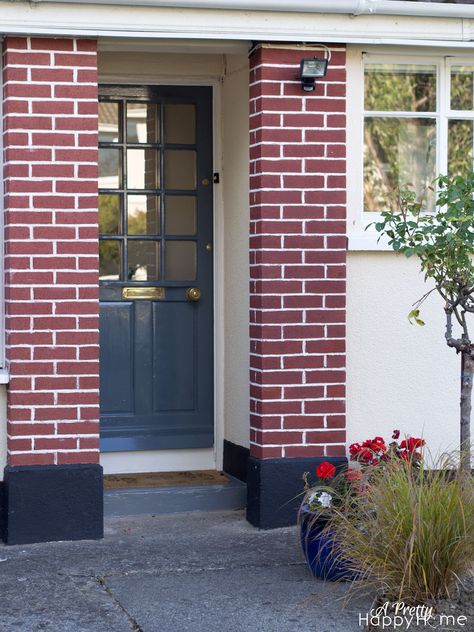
(320, 498)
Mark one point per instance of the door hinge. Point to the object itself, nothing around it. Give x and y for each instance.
(216, 178)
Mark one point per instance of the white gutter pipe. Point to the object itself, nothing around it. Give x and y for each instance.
(351, 7)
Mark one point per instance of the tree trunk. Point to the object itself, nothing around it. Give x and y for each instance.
(467, 372)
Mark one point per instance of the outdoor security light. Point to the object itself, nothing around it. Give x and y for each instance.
(310, 70)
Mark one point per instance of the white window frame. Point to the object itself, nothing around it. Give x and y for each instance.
(359, 236)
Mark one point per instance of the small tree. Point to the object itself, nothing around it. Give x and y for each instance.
(443, 241)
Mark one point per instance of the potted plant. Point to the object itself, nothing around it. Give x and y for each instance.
(337, 493)
(320, 502)
(411, 533)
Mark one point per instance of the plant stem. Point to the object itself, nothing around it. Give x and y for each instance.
(467, 372)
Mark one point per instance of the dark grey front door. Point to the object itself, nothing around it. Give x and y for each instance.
(156, 286)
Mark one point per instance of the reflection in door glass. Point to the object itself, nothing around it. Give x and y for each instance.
(180, 169)
(109, 168)
(109, 122)
(143, 168)
(109, 260)
(180, 123)
(143, 214)
(180, 260)
(180, 215)
(143, 260)
(109, 213)
(143, 123)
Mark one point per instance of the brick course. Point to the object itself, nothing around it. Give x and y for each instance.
(297, 257)
(50, 173)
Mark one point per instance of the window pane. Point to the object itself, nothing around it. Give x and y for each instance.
(109, 168)
(109, 260)
(109, 214)
(143, 260)
(143, 123)
(143, 214)
(400, 88)
(180, 215)
(460, 142)
(397, 152)
(180, 260)
(462, 87)
(180, 123)
(143, 168)
(180, 169)
(109, 122)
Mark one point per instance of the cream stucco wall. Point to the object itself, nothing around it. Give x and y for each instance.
(398, 375)
(228, 73)
(236, 276)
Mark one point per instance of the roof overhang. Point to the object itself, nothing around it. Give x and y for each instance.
(341, 21)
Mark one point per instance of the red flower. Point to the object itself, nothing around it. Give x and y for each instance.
(366, 455)
(411, 444)
(396, 434)
(376, 445)
(325, 470)
(354, 449)
(354, 475)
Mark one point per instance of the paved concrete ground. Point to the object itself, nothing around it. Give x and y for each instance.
(200, 572)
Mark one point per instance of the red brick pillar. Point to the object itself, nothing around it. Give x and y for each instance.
(53, 479)
(298, 276)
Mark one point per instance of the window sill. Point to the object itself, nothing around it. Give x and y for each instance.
(4, 376)
(367, 242)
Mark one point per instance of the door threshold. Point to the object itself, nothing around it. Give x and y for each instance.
(182, 498)
(164, 479)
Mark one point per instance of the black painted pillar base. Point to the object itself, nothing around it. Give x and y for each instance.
(53, 502)
(275, 486)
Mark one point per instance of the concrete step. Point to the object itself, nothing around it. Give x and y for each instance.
(177, 499)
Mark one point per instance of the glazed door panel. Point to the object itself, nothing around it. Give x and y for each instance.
(156, 286)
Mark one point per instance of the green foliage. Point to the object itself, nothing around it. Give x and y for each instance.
(410, 533)
(443, 240)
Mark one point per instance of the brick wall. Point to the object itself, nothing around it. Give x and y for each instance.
(51, 264)
(297, 257)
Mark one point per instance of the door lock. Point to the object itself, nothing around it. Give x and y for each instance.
(193, 294)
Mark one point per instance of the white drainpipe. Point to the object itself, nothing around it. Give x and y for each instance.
(351, 7)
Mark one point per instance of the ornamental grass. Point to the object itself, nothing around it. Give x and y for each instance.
(409, 531)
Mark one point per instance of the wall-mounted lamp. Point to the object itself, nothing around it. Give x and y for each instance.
(313, 68)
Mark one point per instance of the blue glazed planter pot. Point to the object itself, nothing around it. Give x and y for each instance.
(318, 548)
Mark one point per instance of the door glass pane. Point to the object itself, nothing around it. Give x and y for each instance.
(109, 259)
(180, 215)
(109, 125)
(462, 87)
(398, 151)
(460, 148)
(143, 214)
(180, 169)
(109, 213)
(143, 260)
(143, 123)
(180, 260)
(143, 169)
(400, 87)
(180, 123)
(109, 168)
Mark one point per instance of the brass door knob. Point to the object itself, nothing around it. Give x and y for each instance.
(193, 294)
